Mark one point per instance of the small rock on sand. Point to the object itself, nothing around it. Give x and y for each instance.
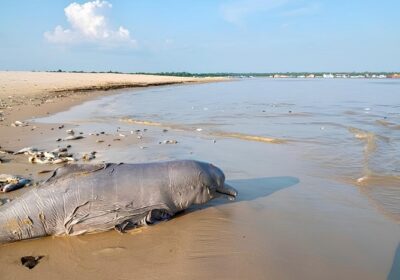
(169, 142)
(30, 261)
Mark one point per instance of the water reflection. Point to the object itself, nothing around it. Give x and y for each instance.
(394, 273)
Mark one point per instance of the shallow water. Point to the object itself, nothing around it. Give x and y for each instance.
(312, 161)
(351, 128)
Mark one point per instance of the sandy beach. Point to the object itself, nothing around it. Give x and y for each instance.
(287, 222)
(27, 95)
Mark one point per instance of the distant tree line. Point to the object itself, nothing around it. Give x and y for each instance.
(233, 74)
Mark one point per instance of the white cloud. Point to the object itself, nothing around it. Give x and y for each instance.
(88, 24)
(237, 11)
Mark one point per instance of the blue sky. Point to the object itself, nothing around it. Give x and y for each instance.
(200, 35)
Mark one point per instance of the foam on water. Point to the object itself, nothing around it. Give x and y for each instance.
(215, 133)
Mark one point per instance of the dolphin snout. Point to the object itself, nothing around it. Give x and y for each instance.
(227, 190)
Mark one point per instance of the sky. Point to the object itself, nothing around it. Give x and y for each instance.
(200, 35)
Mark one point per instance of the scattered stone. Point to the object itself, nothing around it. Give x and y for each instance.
(116, 139)
(89, 157)
(49, 155)
(122, 135)
(70, 131)
(199, 129)
(165, 130)
(30, 261)
(59, 155)
(99, 141)
(19, 124)
(168, 142)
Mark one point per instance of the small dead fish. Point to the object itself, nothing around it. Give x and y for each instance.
(15, 186)
(60, 160)
(64, 154)
(73, 137)
(27, 150)
(35, 159)
(6, 152)
(59, 150)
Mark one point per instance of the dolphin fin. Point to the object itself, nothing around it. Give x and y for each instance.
(75, 169)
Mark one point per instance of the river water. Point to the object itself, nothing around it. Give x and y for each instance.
(351, 128)
(316, 163)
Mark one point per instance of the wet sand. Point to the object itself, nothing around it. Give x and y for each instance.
(285, 224)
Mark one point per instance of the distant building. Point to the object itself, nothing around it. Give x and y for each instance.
(328, 76)
(394, 76)
(310, 76)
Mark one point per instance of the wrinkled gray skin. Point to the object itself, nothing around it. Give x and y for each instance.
(80, 199)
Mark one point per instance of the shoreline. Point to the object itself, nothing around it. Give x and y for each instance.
(21, 100)
(47, 89)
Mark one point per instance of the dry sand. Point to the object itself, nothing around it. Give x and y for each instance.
(266, 234)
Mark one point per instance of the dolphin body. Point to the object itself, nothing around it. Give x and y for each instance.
(83, 198)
